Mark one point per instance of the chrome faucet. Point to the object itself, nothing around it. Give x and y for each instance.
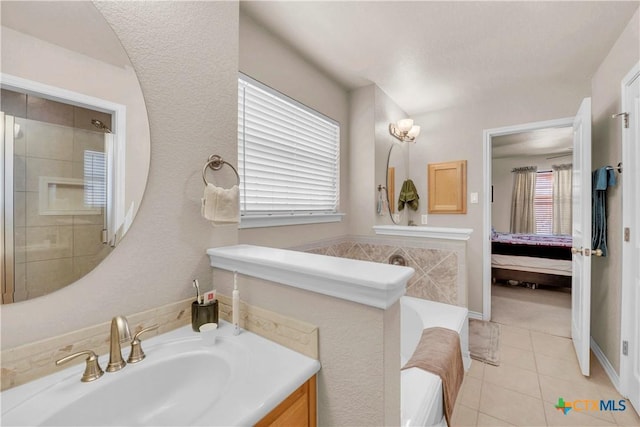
(119, 333)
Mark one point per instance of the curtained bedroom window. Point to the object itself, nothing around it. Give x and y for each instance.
(541, 200)
(562, 198)
(522, 200)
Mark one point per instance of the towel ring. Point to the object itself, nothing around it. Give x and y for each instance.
(216, 162)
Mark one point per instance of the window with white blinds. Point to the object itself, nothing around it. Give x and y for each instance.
(95, 179)
(543, 202)
(288, 155)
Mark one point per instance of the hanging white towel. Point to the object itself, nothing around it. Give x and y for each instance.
(221, 205)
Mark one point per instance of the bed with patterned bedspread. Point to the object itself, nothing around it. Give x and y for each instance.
(538, 259)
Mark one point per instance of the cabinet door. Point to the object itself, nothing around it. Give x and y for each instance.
(299, 409)
(448, 187)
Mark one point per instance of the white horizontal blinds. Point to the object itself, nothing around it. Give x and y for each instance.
(543, 202)
(288, 155)
(95, 183)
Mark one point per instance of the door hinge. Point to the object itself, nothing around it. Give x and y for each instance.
(627, 234)
(626, 118)
(625, 348)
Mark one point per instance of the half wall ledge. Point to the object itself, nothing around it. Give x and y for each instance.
(369, 283)
(445, 233)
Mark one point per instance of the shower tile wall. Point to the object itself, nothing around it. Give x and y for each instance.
(51, 251)
(440, 271)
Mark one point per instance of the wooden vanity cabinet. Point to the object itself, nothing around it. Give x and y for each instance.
(297, 410)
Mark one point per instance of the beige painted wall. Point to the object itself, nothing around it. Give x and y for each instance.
(502, 181)
(456, 134)
(267, 59)
(192, 113)
(362, 161)
(606, 272)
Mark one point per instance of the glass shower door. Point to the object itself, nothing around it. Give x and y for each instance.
(54, 205)
(7, 267)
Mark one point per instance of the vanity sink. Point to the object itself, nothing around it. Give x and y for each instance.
(182, 381)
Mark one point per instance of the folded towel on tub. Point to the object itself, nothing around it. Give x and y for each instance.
(438, 352)
(221, 205)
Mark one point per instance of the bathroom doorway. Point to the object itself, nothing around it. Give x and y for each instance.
(531, 229)
(580, 224)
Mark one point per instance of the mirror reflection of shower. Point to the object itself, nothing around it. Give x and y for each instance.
(55, 206)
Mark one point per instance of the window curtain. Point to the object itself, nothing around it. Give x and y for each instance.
(522, 200)
(562, 198)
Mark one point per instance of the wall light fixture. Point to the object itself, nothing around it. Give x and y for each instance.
(404, 130)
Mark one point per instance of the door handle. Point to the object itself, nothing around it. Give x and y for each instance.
(586, 252)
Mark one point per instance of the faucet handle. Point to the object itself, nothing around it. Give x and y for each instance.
(137, 354)
(92, 371)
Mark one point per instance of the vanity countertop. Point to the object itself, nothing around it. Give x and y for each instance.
(251, 376)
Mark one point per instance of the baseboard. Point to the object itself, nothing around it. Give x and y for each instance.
(606, 365)
(475, 315)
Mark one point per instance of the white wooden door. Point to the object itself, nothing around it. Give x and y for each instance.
(581, 231)
(630, 325)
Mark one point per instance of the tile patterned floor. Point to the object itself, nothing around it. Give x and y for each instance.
(535, 370)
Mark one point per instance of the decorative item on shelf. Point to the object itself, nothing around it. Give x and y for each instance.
(404, 130)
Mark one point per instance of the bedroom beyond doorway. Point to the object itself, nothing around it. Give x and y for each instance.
(531, 259)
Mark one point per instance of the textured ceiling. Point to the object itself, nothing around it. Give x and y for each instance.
(554, 141)
(434, 55)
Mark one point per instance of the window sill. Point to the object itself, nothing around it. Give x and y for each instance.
(258, 221)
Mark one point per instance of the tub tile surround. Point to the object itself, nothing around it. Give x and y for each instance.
(440, 266)
(29, 362)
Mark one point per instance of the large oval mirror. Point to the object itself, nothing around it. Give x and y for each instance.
(397, 173)
(75, 145)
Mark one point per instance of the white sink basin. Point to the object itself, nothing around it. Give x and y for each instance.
(182, 381)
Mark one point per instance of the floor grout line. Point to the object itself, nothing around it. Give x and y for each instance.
(570, 384)
(481, 391)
